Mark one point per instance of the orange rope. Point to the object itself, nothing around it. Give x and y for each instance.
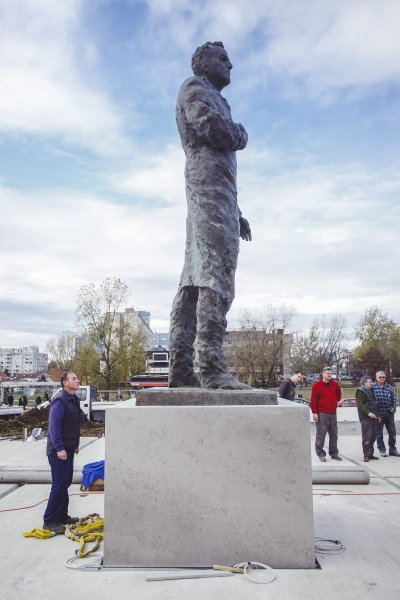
(314, 494)
(357, 494)
(45, 500)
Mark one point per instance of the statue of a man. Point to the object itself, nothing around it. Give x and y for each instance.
(210, 139)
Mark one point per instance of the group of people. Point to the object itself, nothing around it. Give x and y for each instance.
(376, 404)
(23, 401)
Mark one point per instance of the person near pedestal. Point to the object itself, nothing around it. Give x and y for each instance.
(287, 388)
(384, 393)
(325, 395)
(62, 445)
(367, 406)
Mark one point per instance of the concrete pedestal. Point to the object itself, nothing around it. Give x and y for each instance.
(190, 486)
(203, 397)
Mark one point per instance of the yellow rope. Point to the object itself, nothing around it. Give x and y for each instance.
(40, 534)
(88, 529)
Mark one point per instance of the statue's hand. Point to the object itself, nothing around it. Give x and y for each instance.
(242, 142)
(245, 231)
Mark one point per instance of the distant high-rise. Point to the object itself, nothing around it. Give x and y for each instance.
(137, 321)
(24, 360)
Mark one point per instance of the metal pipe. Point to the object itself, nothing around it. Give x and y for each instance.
(320, 474)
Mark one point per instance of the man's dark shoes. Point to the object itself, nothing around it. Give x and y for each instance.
(70, 520)
(366, 458)
(56, 528)
(336, 457)
(394, 453)
(374, 458)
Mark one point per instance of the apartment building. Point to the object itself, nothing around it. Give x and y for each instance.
(26, 359)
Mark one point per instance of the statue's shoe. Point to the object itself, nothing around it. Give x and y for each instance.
(223, 381)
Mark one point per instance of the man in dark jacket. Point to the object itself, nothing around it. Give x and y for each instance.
(325, 395)
(62, 445)
(367, 406)
(287, 389)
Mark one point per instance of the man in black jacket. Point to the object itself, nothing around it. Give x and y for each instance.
(287, 389)
(62, 445)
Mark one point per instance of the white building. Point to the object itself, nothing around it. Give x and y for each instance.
(26, 359)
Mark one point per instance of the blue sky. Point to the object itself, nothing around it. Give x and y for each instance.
(91, 167)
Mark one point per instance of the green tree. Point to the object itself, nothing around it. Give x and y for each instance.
(379, 336)
(118, 344)
(367, 360)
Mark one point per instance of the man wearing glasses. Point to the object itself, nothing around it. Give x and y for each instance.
(384, 394)
(325, 395)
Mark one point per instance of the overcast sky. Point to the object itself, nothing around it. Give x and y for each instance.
(91, 167)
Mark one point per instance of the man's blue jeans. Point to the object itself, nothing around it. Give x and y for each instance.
(61, 475)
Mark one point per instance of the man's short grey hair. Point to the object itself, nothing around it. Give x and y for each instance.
(364, 379)
(380, 373)
(199, 58)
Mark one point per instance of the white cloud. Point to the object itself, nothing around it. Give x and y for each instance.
(44, 59)
(320, 237)
(154, 175)
(325, 237)
(314, 47)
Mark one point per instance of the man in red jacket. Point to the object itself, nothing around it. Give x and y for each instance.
(325, 395)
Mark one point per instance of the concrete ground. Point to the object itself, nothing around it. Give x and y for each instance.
(365, 518)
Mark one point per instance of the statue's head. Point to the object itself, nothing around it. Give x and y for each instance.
(211, 61)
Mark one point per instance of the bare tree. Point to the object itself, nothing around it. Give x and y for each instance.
(256, 351)
(326, 343)
(62, 352)
(118, 345)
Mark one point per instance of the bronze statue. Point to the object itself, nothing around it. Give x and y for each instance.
(210, 139)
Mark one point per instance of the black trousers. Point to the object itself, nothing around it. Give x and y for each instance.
(61, 475)
(368, 432)
(388, 422)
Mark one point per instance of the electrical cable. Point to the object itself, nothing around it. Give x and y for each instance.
(325, 546)
(257, 572)
(80, 564)
(46, 499)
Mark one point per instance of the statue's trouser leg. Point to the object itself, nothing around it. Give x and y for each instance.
(181, 338)
(212, 309)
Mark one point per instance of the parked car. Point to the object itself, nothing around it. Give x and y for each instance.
(348, 402)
